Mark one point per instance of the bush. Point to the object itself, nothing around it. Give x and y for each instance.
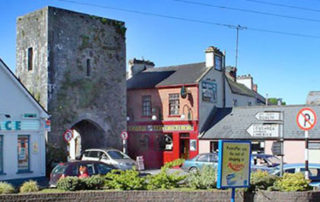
(70, 184)
(30, 186)
(261, 180)
(94, 182)
(204, 179)
(164, 180)
(124, 180)
(292, 182)
(6, 188)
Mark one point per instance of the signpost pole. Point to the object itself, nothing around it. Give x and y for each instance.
(282, 150)
(124, 146)
(233, 193)
(306, 154)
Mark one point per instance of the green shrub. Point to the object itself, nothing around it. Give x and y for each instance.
(204, 179)
(292, 182)
(165, 180)
(70, 184)
(6, 188)
(261, 180)
(30, 186)
(124, 180)
(94, 182)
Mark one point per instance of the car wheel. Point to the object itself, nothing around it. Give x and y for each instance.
(193, 170)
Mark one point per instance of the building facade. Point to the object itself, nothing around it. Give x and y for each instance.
(169, 107)
(22, 130)
(74, 64)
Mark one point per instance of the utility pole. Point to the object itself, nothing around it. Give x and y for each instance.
(237, 41)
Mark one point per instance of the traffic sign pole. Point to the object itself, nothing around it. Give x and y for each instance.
(306, 155)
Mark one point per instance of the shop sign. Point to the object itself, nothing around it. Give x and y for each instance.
(158, 128)
(209, 91)
(19, 125)
(234, 164)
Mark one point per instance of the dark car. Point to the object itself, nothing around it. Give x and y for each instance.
(72, 169)
(196, 163)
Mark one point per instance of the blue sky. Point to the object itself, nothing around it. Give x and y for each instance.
(282, 65)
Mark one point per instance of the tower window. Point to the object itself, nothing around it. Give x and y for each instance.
(30, 59)
(88, 67)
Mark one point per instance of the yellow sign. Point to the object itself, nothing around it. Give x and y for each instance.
(160, 128)
(234, 164)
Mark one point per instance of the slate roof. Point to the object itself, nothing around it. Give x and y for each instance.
(167, 76)
(234, 124)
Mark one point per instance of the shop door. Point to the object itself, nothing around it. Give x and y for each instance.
(184, 145)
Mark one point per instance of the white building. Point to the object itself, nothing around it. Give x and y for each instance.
(22, 130)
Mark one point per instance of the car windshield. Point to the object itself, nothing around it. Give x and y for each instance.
(59, 169)
(117, 155)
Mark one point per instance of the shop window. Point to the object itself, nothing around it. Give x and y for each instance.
(193, 145)
(30, 59)
(1, 154)
(146, 105)
(168, 142)
(174, 104)
(23, 153)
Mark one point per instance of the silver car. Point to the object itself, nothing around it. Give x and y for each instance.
(109, 156)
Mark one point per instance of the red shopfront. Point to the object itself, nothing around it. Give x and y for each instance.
(161, 142)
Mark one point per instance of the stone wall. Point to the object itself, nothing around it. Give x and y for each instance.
(83, 77)
(124, 196)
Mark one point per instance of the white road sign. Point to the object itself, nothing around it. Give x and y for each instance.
(269, 116)
(264, 130)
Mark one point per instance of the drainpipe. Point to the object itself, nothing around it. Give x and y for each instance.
(224, 81)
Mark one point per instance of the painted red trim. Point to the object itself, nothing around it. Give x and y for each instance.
(174, 116)
(142, 123)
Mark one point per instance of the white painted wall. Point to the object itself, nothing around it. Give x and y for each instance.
(204, 146)
(247, 81)
(241, 99)
(15, 102)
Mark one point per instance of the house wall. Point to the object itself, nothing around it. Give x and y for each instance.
(15, 102)
(294, 151)
(241, 99)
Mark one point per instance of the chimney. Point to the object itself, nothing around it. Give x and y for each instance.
(232, 72)
(211, 52)
(136, 66)
(255, 88)
(246, 80)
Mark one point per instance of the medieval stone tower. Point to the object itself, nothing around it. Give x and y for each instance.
(75, 66)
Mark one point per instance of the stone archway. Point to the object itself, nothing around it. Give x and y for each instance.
(86, 134)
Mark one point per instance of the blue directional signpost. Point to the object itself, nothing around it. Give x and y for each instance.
(234, 165)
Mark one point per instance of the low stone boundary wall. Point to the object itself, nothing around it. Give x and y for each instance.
(122, 196)
(166, 196)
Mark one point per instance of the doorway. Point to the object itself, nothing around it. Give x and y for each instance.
(184, 145)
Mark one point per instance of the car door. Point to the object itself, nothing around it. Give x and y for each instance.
(90, 167)
(103, 169)
(202, 160)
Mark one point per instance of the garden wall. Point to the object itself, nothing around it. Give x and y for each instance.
(215, 196)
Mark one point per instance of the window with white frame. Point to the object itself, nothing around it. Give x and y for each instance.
(146, 105)
(174, 104)
(23, 153)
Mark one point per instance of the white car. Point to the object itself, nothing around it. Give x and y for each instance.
(109, 156)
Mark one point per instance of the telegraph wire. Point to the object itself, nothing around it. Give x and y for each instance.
(191, 20)
(285, 5)
(248, 11)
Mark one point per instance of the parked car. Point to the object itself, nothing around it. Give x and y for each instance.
(264, 162)
(109, 156)
(72, 169)
(314, 171)
(196, 163)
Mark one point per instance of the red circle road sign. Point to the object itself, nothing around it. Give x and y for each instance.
(68, 135)
(124, 135)
(306, 118)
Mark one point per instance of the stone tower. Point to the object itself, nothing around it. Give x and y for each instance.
(75, 66)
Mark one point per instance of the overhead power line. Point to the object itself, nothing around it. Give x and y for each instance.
(190, 19)
(249, 11)
(285, 5)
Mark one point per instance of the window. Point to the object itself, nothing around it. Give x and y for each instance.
(203, 158)
(249, 103)
(23, 153)
(174, 104)
(290, 170)
(103, 169)
(88, 67)
(168, 142)
(30, 59)
(146, 105)
(218, 62)
(193, 145)
(235, 102)
(1, 154)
